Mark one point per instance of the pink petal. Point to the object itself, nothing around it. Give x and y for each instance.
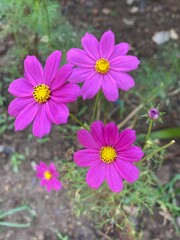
(126, 138)
(111, 134)
(17, 105)
(53, 170)
(132, 154)
(96, 175)
(52, 65)
(79, 58)
(42, 165)
(47, 184)
(57, 113)
(119, 50)
(110, 88)
(97, 131)
(87, 157)
(107, 44)
(66, 94)
(21, 88)
(123, 80)
(113, 178)
(42, 124)
(61, 76)
(124, 63)
(91, 46)
(127, 170)
(56, 184)
(86, 139)
(41, 168)
(26, 116)
(80, 75)
(33, 70)
(91, 86)
(43, 182)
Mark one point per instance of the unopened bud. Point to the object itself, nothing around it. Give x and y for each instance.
(153, 114)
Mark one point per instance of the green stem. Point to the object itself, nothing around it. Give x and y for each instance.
(149, 131)
(78, 121)
(158, 150)
(95, 106)
(47, 20)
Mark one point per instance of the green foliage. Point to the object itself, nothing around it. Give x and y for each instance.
(5, 122)
(158, 74)
(106, 207)
(60, 236)
(37, 27)
(120, 209)
(168, 133)
(13, 211)
(169, 195)
(15, 160)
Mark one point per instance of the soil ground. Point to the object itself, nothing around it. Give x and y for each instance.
(54, 211)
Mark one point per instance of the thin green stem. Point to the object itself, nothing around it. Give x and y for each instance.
(17, 225)
(47, 20)
(148, 133)
(95, 106)
(158, 150)
(78, 121)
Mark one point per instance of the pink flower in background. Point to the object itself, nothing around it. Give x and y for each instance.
(109, 154)
(102, 65)
(42, 95)
(48, 176)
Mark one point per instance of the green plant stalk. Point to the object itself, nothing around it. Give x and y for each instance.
(48, 22)
(78, 121)
(17, 225)
(158, 150)
(13, 211)
(148, 133)
(95, 107)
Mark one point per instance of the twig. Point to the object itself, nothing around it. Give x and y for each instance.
(104, 235)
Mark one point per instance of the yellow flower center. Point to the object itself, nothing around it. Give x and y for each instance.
(108, 154)
(41, 93)
(47, 175)
(102, 66)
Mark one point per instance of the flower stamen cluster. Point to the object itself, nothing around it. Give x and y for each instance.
(41, 93)
(102, 66)
(108, 154)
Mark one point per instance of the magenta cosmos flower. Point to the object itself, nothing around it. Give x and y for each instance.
(42, 95)
(48, 176)
(102, 65)
(109, 155)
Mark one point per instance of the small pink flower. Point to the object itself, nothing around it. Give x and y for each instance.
(48, 176)
(102, 65)
(109, 155)
(42, 95)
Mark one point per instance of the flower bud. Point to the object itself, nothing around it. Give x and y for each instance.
(153, 114)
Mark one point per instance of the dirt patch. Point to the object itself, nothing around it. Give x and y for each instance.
(136, 27)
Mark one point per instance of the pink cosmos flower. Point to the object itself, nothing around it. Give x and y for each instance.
(42, 95)
(48, 176)
(109, 155)
(102, 65)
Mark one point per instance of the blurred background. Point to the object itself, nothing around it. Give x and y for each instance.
(37, 27)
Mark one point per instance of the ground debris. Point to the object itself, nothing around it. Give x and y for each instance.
(6, 149)
(161, 37)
